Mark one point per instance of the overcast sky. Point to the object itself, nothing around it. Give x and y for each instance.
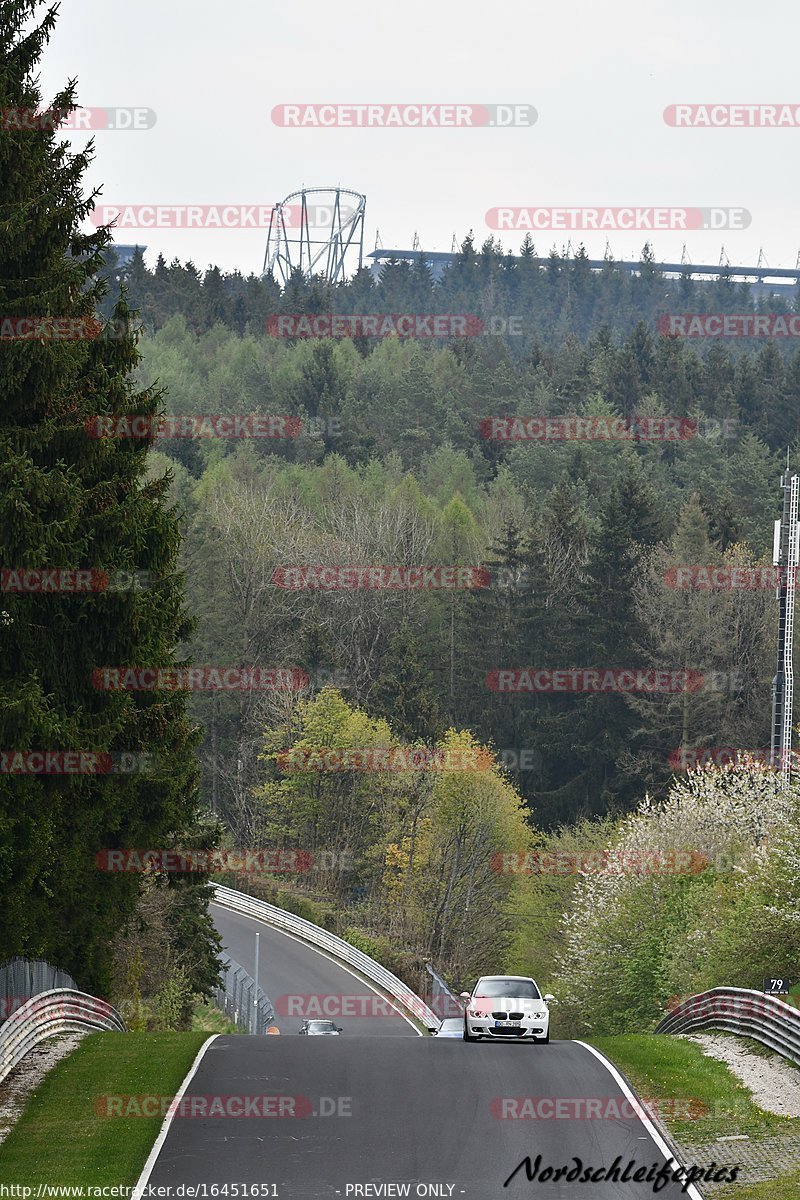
(598, 74)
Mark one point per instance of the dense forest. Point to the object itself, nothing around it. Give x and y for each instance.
(510, 294)
(579, 541)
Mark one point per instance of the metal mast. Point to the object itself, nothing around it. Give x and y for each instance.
(785, 556)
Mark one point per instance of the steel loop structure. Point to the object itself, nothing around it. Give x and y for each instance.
(318, 231)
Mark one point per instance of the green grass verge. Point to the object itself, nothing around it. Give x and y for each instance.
(674, 1071)
(677, 1073)
(785, 1188)
(61, 1139)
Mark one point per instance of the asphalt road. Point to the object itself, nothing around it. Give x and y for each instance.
(380, 1111)
(300, 981)
(362, 1111)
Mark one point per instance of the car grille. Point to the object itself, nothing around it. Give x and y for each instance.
(500, 1016)
(508, 1031)
(516, 1016)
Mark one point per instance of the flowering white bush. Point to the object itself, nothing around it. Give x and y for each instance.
(680, 876)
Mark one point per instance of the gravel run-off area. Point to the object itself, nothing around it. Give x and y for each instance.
(775, 1084)
(23, 1081)
(775, 1087)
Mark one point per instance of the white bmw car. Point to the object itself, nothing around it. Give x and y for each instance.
(506, 1007)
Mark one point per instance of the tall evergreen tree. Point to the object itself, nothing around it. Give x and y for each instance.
(405, 693)
(71, 501)
(602, 727)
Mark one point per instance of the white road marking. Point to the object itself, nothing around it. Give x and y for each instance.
(147, 1170)
(648, 1124)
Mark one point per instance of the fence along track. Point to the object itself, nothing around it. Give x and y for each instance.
(236, 997)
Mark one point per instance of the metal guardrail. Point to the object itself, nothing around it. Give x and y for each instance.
(444, 1002)
(739, 1010)
(278, 918)
(61, 1010)
(236, 997)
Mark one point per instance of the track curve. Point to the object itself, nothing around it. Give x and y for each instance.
(301, 980)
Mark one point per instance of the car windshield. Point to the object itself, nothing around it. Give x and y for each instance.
(321, 1026)
(492, 989)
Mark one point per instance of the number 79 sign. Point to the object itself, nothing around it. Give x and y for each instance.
(777, 987)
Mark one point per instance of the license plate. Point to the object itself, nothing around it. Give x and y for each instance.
(502, 1024)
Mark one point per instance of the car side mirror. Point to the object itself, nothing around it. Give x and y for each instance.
(464, 995)
(433, 1029)
(340, 1029)
(548, 997)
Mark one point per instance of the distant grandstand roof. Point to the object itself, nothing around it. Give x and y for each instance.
(762, 281)
(749, 274)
